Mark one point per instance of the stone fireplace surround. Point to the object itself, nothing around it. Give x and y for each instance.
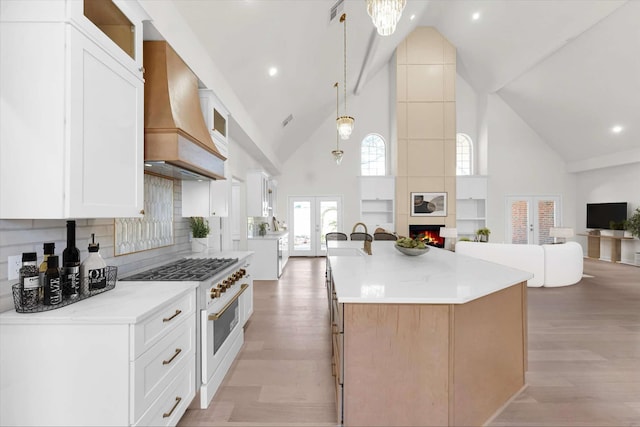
(431, 231)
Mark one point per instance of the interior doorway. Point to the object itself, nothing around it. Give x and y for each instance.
(310, 219)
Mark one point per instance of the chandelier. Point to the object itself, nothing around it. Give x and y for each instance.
(345, 122)
(385, 14)
(337, 153)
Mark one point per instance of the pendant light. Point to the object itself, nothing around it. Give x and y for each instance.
(385, 14)
(337, 153)
(345, 122)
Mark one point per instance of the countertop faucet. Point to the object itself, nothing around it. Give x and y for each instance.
(367, 243)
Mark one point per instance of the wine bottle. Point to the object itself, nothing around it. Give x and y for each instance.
(71, 264)
(52, 286)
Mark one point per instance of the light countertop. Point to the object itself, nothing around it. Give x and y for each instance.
(127, 303)
(437, 277)
(271, 235)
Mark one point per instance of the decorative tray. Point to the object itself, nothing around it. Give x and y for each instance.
(23, 307)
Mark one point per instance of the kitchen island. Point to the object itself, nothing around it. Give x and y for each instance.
(271, 253)
(438, 339)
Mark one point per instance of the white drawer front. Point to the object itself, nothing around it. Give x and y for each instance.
(158, 367)
(151, 330)
(173, 402)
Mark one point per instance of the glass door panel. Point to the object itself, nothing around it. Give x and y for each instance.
(328, 221)
(301, 227)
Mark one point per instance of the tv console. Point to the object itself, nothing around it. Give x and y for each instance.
(595, 238)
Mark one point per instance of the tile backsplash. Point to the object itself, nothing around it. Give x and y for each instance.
(29, 235)
(155, 228)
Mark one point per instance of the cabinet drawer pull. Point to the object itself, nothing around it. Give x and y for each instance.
(168, 319)
(178, 351)
(175, 405)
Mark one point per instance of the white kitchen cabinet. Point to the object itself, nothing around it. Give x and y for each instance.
(71, 139)
(377, 194)
(125, 357)
(471, 204)
(271, 255)
(257, 194)
(206, 198)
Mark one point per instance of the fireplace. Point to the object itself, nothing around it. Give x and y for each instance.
(429, 233)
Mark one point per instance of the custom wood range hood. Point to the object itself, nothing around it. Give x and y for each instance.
(176, 139)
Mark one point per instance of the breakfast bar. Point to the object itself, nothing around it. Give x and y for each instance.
(431, 340)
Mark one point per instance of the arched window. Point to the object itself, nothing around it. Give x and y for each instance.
(464, 154)
(373, 156)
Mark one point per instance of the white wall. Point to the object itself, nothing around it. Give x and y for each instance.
(466, 113)
(521, 163)
(311, 170)
(614, 184)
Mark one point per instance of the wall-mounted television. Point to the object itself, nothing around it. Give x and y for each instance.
(600, 214)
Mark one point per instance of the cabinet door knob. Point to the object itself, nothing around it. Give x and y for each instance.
(213, 213)
(141, 69)
(141, 211)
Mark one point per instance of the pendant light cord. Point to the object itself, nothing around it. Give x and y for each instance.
(343, 19)
(336, 85)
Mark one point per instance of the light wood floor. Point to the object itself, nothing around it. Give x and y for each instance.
(584, 355)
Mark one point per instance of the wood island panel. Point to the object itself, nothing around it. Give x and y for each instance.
(489, 354)
(396, 358)
(433, 364)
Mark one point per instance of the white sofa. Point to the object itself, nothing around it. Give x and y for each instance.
(551, 265)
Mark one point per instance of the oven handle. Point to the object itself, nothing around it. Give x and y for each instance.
(217, 315)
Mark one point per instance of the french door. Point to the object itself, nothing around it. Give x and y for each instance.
(310, 219)
(529, 219)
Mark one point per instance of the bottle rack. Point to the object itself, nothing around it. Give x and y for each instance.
(110, 272)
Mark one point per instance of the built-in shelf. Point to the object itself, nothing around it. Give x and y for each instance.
(471, 204)
(377, 195)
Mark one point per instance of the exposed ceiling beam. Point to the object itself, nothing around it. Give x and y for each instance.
(372, 47)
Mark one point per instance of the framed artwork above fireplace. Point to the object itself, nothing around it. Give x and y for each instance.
(428, 204)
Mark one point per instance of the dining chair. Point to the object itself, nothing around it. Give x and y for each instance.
(384, 236)
(361, 236)
(335, 236)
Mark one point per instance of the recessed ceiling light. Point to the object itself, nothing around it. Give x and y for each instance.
(475, 16)
(412, 17)
(273, 71)
(617, 129)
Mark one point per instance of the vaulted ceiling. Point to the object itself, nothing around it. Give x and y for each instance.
(569, 68)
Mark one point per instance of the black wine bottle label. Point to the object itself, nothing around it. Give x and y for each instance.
(71, 282)
(52, 291)
(97, 279)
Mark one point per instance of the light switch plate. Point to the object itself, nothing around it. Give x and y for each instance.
(13, 266)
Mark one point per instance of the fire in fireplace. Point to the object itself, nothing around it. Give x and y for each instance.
(430, 234)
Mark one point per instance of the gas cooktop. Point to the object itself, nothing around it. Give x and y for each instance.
(195, 269)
